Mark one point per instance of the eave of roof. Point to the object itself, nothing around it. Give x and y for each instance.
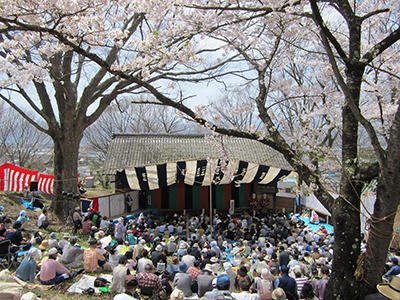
(136, 150)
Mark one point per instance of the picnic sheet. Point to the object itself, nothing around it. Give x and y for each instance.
(85, 282)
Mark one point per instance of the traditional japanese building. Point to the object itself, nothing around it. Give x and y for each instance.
(175, 172)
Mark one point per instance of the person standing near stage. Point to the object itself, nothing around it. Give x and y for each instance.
(119, 229)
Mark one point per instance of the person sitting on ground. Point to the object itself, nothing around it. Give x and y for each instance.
(204, 281)
(287, 283)
(144, 260)
(99, 235)
(130, 238)
(195, 270)
(53, 243)
(394, 270)
(104, 224)
(320, 285)
(23, 219)
(42, 221)
(149, 283)
(173, 267)
(278, 294)
(64, 241)
(72, 254)
(86, 226)
(183, 280)
(264, 284)
(17, 241)
(387, 291)
(52, 271)
(125, 247)
(131, 263)
(223, 284)
(131, 285)
(307, 292)
(244, 293)
(119, 274)
(158, 256)
(242, 276)
(91, 257)
(212, 293)
(77, 218)
(171, 246)
(27, 268)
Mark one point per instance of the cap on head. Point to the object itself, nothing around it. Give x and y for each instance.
(278, 294)
(223, 281)
(130, 281)
(52, 251)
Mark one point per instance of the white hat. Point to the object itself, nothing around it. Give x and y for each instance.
(66, 235)
(158, 248)
(208, 268)
(214, 259)
(52, 251)
(227, 266)
(265, 273)
(33, 253)
(172, 239)
(177, 295)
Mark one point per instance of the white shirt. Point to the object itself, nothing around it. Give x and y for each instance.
(41, 219)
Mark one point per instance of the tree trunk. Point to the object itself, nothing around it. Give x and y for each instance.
(65, 172)
(346, 210)
(387, 202)
(346, 221)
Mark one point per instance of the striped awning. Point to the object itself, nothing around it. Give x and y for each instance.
(202, 173)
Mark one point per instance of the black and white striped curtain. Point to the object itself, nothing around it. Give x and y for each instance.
(201, 172)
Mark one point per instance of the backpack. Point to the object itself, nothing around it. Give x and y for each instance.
(100, 282)
(265, 288)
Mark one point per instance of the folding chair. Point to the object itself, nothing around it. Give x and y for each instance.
(147, 293)
(5, 253)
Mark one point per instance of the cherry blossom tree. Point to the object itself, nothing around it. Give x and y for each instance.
(330, 64)
(123, 117)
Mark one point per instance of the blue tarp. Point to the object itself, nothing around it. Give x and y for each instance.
(328, 227)
(28, 204)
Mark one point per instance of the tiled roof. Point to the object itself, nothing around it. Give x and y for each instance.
(136, 150)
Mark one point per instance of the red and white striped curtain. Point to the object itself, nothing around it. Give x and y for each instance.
(13, 179)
